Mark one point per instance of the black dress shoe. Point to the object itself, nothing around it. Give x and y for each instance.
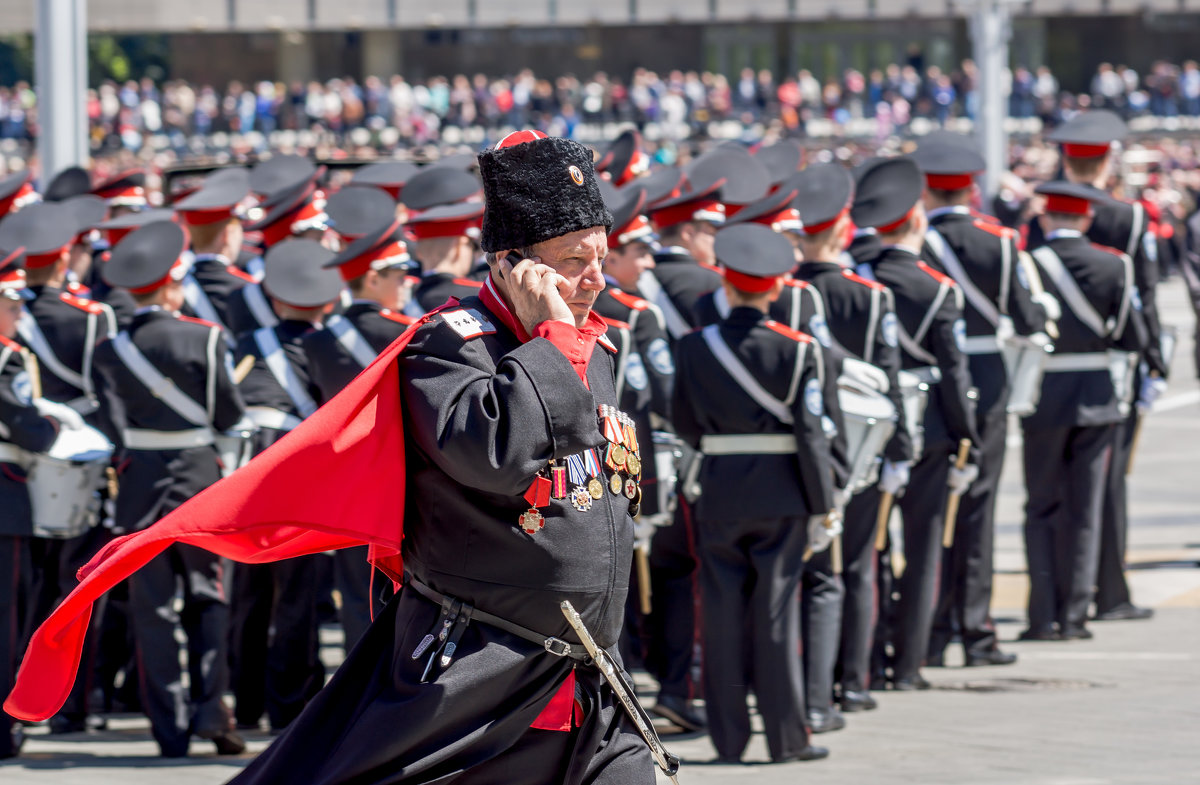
(911, 683)
(1126, 611)
(61, 723)
(854, 700)
(990, 657)
(229, 743)
(1040, 634)
(680, 711)
(825, 720)
(808, 753)
(1079, 633)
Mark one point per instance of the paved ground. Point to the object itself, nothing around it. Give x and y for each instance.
(1122, 709)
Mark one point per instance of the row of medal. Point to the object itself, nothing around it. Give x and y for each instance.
(579, 478)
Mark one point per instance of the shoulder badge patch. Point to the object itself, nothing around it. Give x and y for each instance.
(960, 334)
(635, 372)
(468, 323)
(659, 354)
(820, 330)
(889, 327)
(813, 398)
(22, 388)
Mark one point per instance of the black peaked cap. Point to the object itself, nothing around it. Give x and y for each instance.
(746, 180)
(781, 159)
(822, 191)
(40, 228)
(72, 181)
(754, 249)
(281, 172)
(1094, 127)
(887, 189)
(146, 255)
(945, 152)
(659, 184)
(385, 174)
(436, 185)
(295, 272)
(358, 209)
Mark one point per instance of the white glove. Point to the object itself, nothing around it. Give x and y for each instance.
(894, 476)
(820, 536)
(1152, 389)
(66, 416)
(960, 479)
(1049, 304)
(643, 530)
(840, 499)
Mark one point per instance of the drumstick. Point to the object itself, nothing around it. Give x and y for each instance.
(243, 369)
(1133, 445)
(835, 554)
(35, 374)
(808, 551)
(960, 463)
(881, 519)
(642, 558)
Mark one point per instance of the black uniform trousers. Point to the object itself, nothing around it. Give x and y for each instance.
(821, 598)
(859, 601)
(16, 571)
(965, 595)
(1065, 471)
(174, 712)
(671, 626)
(923, 508)
(352, 577)
(749, 586)
(273, 641)
(1112, 590)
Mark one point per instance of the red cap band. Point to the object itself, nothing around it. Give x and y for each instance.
(429, 230)
(519, 137)
(1071, 205)
(358, 266)
(35, 261)
(820, 227)
(639, 163)
(1072, 150)
(631, 232)
(894, 225)
(702, 210)
(949, 182)
(161, 282)
(750, 283)
(18, 199)
(128, 196)
(205, 217)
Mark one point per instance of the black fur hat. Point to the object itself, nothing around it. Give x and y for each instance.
(536, 188)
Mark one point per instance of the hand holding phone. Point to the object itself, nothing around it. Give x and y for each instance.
(536, 290)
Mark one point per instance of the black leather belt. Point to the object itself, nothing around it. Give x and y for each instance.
(465, 613)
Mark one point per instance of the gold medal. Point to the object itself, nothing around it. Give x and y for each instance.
(616, 484)
(619, 454)
(531, 521)
(595, 488)
(633, 464)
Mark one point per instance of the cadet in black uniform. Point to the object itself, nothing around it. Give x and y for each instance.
(63, 331)
(446, 251)
(1086, 143)
(24, 430)
(494, 390)
(16, 191)
(124, 192)
(749, 396)
(930, 331)
(375, 268)
(165, 385)
(983, 259)
(357, 210)
(1068, 440)
(114, 230)
(273, 645)
(861, 316)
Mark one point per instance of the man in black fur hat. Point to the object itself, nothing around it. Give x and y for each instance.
(521, 477)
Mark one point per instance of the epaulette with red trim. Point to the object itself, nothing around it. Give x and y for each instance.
(78, 289)
(469, 282)
(629, 300)
(853, 276)
(934, 274)
(82, 303)
(606, 343)
(1003, 232)
(197, 320)
(401, 318)
(990, 219)
(9, 343)
(712, 267)
(238, 272)
(787, 332)
(620, 325)
(795, 282)
(1109, 248)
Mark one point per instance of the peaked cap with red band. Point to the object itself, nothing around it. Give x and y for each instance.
(887, 192)
(15, 192)
(12, 273)
(949, 161)
(782, 160)
(624, 160)
(359, 209)
(282, 173)
(72, 181)
(823, 195)
(127, 189)
(291, 212)
(754, 256)
(117, 228)
(148, 259)
(44, 229)
(448, 220)
(775, 211)
(387, 176)
(1069, 198)
(218, 199)
(629, 224)
(1090, 134)
(379, 250)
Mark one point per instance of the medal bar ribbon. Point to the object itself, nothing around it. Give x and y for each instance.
(612, 427)
(591, 463)
(576, 469)
(538, 494)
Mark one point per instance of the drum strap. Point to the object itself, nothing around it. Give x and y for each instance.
(197, 299)
(782, 410)
(872, 325)
(1077, 301)
(32, 334)
(950, 263)
(351, 340)
(1135, 230)
(256, 301)
(282, 370)
(677, 326)
(625, 337)
(159, 386)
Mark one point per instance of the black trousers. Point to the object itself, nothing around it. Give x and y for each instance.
(922, 507)
(174, 713)
(1112, 590)
(671, 626)
(16, 572)
(1065, 470)
(859, 601)
(821, 598)
(352, 577)
(965, 596)
(273, 646)
(749, 579)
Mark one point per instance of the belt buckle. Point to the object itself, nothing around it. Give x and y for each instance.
(557, 647)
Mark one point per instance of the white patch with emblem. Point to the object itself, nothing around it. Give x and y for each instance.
(635, 372)
(468, 323)
(22, 388)
(820, 330)
(814, 401)
(828, 426)
(1135, 298)
(660, 356)
(890, 328)
(960, 334)
(1022, 277)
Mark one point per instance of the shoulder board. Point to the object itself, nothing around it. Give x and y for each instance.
(711, 267)
(9, 343)
(935, 275)
(796, 283)
(412, 280)
(853, 276)
(984, 218)
(1108, 248)
(397, 317)
(992, 227)
(467, 322)
(607, 344)
(78, 289)
(629, 300)
(468, 282)
(75, 301)
(786, 331)
(197, 320)
(237, 272)
(615, 323)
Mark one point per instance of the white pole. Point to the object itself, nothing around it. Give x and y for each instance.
(990, 33)
(60, 77)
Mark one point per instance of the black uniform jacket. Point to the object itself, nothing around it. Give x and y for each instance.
(219, 280)
(154, 482)
(23, 427)
(261, 388)
(708, 401)
(331, 366)
(435, 289)
(1082, 398)
(684, 280)
(66, 320)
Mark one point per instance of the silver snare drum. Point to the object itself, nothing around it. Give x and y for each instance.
(235, 446)
(870, 420)
(1025, 363)
(64, 483)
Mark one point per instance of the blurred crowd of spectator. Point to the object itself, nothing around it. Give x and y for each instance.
(421, 111)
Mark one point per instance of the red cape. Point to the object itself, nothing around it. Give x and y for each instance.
(336, 481)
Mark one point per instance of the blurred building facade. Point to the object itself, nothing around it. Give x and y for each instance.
(291, 40)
